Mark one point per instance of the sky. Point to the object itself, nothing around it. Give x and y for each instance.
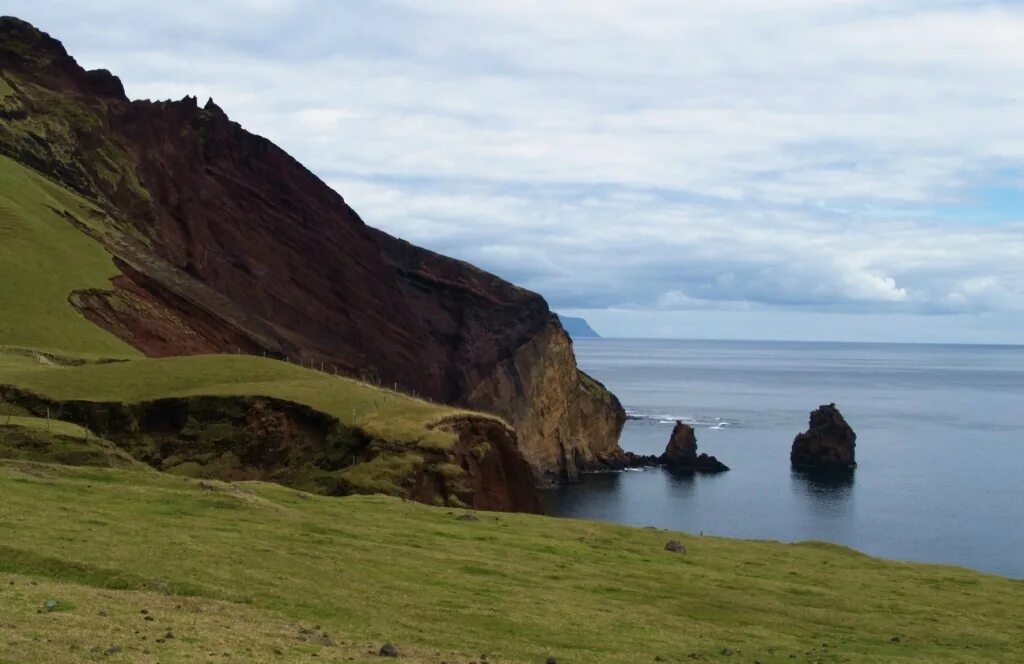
(796, 169)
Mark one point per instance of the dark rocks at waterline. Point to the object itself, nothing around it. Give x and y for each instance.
(681, 453)
(630, 460)
(829, 442)
(706, 463)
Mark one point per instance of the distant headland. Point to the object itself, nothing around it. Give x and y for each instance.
(578, 328)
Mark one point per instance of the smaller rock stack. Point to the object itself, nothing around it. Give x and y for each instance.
(828, 443)
(681, 452)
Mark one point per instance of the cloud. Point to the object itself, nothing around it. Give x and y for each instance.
(738, 155)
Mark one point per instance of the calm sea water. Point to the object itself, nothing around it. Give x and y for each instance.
(940, 445)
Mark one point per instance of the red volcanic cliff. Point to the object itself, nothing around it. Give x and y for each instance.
(226, 243)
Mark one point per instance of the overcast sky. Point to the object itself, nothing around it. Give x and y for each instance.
(792, 169)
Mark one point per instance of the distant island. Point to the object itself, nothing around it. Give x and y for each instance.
(578, 328)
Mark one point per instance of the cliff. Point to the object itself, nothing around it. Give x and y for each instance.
(227, 244)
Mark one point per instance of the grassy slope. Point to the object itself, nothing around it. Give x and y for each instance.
(515, 587)
(43, 258)
(53, 441)
(384, 413)
(56, 427)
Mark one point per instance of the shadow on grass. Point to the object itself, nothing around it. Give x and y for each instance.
(26, 563)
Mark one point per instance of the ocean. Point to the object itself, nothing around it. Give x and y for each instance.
(940, 445)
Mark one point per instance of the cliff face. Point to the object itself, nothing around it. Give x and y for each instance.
(226, 243)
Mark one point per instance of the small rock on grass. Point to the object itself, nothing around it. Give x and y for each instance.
(550, 660)
(675, 546)
(468, 517)
(51, 605)
(388, 650)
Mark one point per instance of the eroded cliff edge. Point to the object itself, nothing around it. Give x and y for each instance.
(227, 244)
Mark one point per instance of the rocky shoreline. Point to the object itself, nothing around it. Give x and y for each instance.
(680, 455)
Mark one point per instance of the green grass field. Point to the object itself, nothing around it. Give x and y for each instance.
(43, 259)
(261, 572)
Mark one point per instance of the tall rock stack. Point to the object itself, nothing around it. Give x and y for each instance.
(681, 452)
(829, 442)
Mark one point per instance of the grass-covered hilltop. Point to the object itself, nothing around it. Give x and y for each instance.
(238, 425)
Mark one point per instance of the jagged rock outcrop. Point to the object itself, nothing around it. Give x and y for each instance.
(681, 452)
(829, 442)
(226, 243)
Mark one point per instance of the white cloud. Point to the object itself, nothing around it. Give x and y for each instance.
(646, 154)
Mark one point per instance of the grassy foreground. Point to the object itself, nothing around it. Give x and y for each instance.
(253, 572)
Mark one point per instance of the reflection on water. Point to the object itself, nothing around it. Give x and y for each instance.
(827, 493)
(683, 482)
(824, 484)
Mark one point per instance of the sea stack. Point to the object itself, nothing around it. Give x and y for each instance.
(681, 452)
(829, 442)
